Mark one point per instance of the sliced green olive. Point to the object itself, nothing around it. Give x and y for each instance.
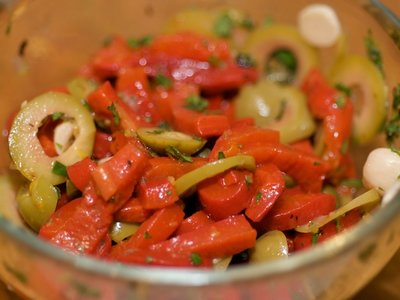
(189, 180)
(159, 139)
(368, 92)
(280, 107)
(265, 42)
(270, 246)
(25, 148)
(37, 202)
(81, 87)
(368, 198)
(122, 230)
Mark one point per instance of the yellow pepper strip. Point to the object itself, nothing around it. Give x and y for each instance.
(25, 148)
(185, 182)
(270, 246)
(122, 230)
(368, 197)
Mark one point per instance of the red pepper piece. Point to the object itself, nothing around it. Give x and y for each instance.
(226, 194)
(268, 185)
(102, 145)
(157, 193)
(79, 173)
(133, 212)
(195, 221)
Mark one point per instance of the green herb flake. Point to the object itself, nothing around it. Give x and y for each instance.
(392, 127)
(221, 155)
(258, 197)
(149, 259)
(144, 41)
(373, 51)
(196, 103)
(247, 23)
(174, 152)
(286, 58)
(343, 88)
(57, 116)
(147, 235)
(215, 61)
(352, 182)
(344, 147)
(248, 180)
(367, 252)
(164, 125)
(244, 60)
(340, 101)
(223, 26)
(84, 290)
(163, 81)
(59, 169)
(115, 114)
(314, 238)
(316, 163)
(195, 259)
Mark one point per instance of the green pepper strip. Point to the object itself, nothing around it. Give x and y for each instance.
(185, 182)
(368, 197)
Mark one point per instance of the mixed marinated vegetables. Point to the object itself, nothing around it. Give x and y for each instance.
(215, 142)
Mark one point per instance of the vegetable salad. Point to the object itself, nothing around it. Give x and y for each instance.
(215, 142)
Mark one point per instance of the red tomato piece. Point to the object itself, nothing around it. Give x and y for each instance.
(226, 194)
(195, 221)
(133, 212)
(220, 239)
(157, 193)
(298, 208)
(79, 173)
(268, 185)
(122, 170)
(78, 226)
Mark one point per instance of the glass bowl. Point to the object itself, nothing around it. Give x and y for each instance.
(43, 43)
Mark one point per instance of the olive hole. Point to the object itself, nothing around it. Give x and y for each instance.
(281, 66)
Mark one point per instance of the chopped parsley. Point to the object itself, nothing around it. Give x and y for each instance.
(343, 88)
(249, 180)
(144, 41)
(56, 116)
(392, 127)
(147, 235)
(115, 114)
(223, 26)
(215, 61)
(247, 23)
(352, 182)
(195, 259)
(59, 169)
(196, 103)
(221, 155)
(258, 197)
(340, 101)
(244, 60)
(163, 81)
(149, 259)
(174, 152)
(373, 51)
(314, 238)
(344, 147)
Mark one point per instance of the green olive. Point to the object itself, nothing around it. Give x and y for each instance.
(265, 42)
(270, 246)
(81, 87)
(37, 202)
(25, 148)
(280, 107)
(368, 92)
(159, 139)
(122, 230)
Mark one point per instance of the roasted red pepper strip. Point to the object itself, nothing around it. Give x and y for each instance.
(79, 173)
(335, 110)
(156, 193)
(79, 226)
(226, 194)
(159, 227)
(268, 185)
(195, 221)
(122, 170)
(297, 208)
(220, 239)
(102, 145)
(133, 212)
